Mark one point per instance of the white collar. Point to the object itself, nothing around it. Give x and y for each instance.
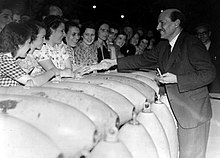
(8, 54)
(207, 45)
(173, 41)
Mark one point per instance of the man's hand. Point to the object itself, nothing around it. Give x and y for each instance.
(109, 62)
(105, 65)
(167, 78)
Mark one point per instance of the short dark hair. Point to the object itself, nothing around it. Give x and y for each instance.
(127, 24)
(176, 14)
(100, 23)
(70, 24)
(86, 25)
(12, 35)
(52, 22)
(144, 37)
(203, 25)
(121, 32)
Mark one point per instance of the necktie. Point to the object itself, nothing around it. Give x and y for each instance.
(169, 51)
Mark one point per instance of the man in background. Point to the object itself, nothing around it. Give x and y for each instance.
(203, 32)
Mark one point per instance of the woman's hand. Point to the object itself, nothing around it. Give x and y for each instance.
(82, 70)
(111, 48)
(101, 66)
(55, 71)
(29, 83)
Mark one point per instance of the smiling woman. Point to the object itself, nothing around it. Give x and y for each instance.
(71, 40)
(29, 64)
(53, 54)
(14, 43)
(86, 53)
(72, 31)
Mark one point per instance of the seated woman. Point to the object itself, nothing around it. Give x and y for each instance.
(71, 40)
(29, 64)
(53, 53)
(130, 47)
(142, 46)
(72, 31)
(85, 54)
(104, 51)
(14, 43)
(119, 43)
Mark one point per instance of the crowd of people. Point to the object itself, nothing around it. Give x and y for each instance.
(65, 46)
(34, 52)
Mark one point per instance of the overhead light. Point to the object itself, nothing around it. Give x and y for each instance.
(94, 6)
(122, 16)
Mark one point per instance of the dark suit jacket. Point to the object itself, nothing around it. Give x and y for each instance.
(103, 53)
(189, 60)
(214, 51)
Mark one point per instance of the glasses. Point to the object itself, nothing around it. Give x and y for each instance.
(202, 33)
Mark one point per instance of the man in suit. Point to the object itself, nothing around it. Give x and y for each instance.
(186, 71)
(203, 32)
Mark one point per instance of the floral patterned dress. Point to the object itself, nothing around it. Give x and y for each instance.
(57, 54)
(30, 65)
(70, 50)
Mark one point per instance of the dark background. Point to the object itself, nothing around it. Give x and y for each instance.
(137, 12)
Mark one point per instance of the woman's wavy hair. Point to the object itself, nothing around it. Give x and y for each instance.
(68, 25)
(87, 25)
(144, 37)
(35, 27)
(13, 35)
(98, 25)
(52, 22)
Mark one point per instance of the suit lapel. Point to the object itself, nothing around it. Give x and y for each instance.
(172, 57)
(165, 57)
(175, 52)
